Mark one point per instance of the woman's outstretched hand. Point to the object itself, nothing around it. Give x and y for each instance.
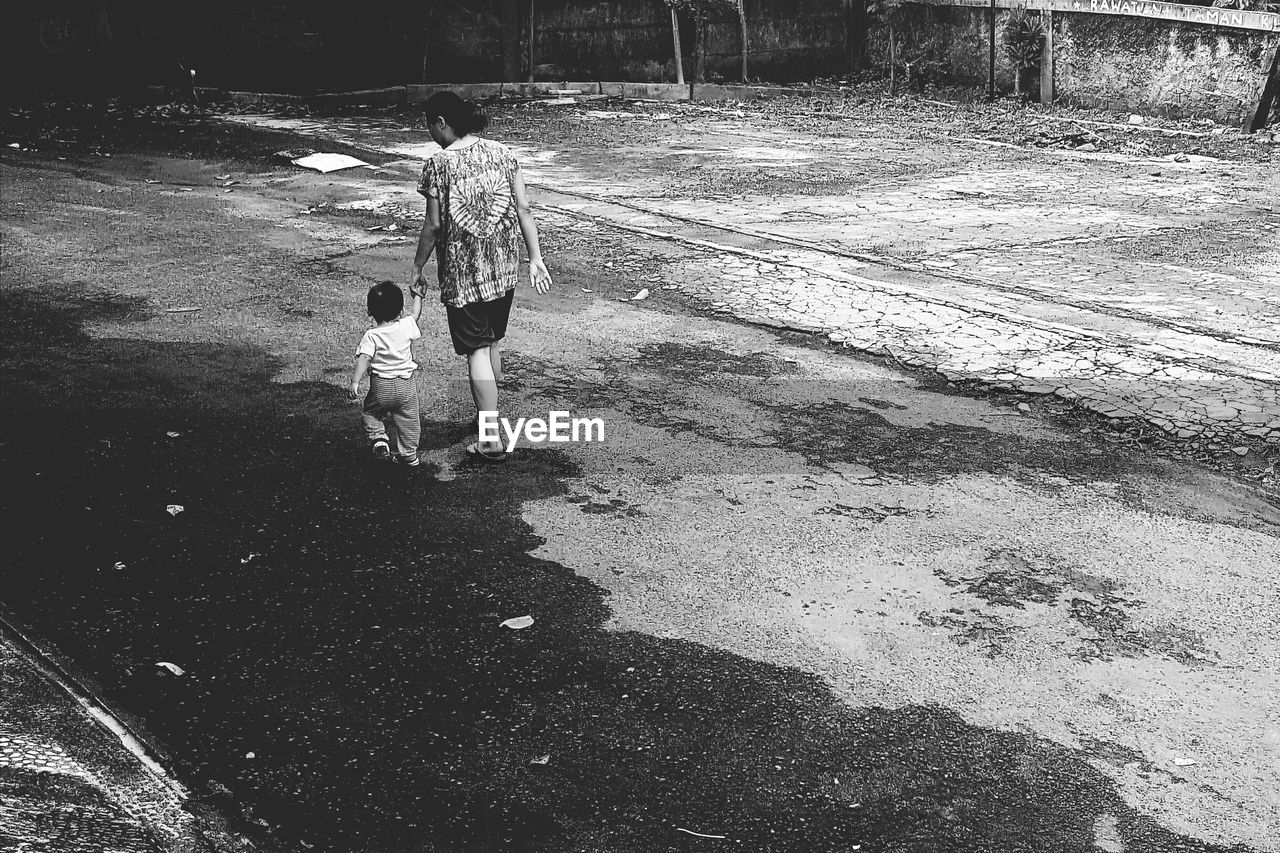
(539, 277)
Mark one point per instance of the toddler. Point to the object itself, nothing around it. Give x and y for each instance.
(385, 353)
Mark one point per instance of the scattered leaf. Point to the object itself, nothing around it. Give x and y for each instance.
(1184, 762)
(544, 759)
(174, 509)
(518, 623)
(171, 667)
(173, 434)
(643, 294)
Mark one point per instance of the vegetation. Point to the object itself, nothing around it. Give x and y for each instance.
(1024, 38)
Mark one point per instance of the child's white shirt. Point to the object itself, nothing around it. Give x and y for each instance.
(389, 349)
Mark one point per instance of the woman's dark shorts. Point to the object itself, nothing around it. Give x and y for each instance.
(479, 324)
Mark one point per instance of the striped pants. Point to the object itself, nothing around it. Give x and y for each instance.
(396, 399)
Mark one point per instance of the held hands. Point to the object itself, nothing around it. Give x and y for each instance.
(417, 284)
(539, 277)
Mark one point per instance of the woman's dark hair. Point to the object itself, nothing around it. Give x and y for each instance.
(386, 301)
(463, 116)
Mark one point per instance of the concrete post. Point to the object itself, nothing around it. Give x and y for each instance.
(1046, 60)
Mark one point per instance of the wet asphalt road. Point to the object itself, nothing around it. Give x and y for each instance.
(384, 707)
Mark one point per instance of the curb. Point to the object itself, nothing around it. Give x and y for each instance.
(63, 675)
(416, 93)
(119, 760)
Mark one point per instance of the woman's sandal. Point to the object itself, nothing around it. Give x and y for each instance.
(475, 450)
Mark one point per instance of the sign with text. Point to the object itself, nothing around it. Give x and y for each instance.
(1179, 12)
(1235, 18)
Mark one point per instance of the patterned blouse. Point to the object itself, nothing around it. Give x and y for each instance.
(478, 248)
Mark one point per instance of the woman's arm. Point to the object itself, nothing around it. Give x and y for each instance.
(538, 275)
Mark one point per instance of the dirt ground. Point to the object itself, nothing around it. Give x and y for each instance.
(802, 597)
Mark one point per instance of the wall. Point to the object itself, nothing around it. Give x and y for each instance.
(627, 40)
(1125, 64)
(951, 44)
(304, 46)
(87, 46)
(1158, 66)
(630, 40)
(787, 40)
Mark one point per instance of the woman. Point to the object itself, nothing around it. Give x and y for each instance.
(477, 208)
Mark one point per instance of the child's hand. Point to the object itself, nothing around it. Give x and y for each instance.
(539, 277)
(353, 391)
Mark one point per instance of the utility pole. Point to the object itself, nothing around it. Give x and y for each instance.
(991, 54)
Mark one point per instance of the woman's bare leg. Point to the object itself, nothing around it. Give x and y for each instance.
(495, 360)
(484, 388)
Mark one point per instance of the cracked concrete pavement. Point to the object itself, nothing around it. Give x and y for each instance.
(1015, 268)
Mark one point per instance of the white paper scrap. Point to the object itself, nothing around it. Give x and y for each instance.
(326, 163)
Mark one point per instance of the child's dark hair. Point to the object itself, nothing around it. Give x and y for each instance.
(386, 301)
(463, 116)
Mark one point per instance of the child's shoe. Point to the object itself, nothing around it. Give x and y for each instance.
(381, 449)
(408, 461)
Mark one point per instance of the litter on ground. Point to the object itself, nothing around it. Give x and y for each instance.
(326, 163)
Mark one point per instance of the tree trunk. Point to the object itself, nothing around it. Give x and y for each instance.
(675, 37)
(855, 34)
(532, 34)
(893, 60)
(700, 54)
(510, 40)
(742, 31)
(1270, 89)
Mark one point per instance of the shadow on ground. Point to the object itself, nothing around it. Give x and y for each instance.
(347, 680)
